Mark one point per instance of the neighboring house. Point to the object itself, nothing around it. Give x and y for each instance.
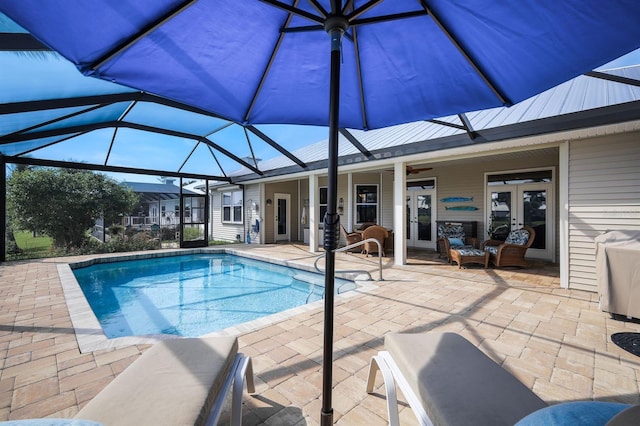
(566, 162)
(159, 204)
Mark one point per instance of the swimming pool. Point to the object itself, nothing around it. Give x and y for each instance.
(192, 295)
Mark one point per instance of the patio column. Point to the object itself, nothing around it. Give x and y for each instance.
(349, 224)
(563, 196)
(313, 213)
(399, 213)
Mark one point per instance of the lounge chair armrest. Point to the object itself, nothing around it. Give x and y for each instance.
(444, 244)
(511, 249)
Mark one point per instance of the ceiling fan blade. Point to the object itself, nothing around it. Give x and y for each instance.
(414, 170)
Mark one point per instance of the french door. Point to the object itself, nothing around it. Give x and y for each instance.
(511, 207)
(282, 220)
(421, 208)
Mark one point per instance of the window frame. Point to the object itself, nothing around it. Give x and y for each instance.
(358, 204)
(232, 208)
(322, 207)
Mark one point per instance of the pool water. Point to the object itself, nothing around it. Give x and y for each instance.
(194, 294)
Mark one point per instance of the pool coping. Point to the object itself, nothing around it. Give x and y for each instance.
(91, 337)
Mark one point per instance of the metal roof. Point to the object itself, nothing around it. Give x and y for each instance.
(599, 98)
(50, 114)
(153, 192)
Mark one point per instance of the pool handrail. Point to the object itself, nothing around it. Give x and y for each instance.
(350, 246)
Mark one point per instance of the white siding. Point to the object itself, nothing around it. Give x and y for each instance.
(252, 195)
(226, 231)
(468, 181)
(604, 195)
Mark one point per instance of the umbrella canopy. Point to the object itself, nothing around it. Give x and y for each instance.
(390, 62)
(402, 61)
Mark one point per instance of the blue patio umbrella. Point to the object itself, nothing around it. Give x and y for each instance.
(384, 62)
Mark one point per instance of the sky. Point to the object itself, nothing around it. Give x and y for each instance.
(632, 58)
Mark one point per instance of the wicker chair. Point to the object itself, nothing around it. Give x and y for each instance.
(351, 238)
(452, 232)
(511, 251)
(377, 232)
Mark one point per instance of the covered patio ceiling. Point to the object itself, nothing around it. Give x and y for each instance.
(52, 115)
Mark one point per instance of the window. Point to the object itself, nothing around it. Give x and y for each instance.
(366, 203)
(232, 207)
(323, 205)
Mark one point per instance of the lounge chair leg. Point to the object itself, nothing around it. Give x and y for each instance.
(379, 364)
(243, 372)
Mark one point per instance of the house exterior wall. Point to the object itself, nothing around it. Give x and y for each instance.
(604, 195)
(225, 231)
(468, 180)
(268, 213)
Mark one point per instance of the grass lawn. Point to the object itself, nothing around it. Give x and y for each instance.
(32, 245)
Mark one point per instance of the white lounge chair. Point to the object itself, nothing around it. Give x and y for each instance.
(449, 381)
(176, 382)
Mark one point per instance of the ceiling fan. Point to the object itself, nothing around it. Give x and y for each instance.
(415, 170)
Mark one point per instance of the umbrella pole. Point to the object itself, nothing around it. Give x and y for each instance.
(331, 227)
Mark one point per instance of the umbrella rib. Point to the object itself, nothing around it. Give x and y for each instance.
(355, 142)
(362, 9)
(503, 98)
(277, 146)
(348, 5)
(447, 124)
(263, 78)
(467, 125)
(319, 8)
(385, 18)
(140, 35)
(363, 108)
(294, 10)
(615, 78)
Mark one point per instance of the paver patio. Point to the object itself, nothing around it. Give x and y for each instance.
(556, 341)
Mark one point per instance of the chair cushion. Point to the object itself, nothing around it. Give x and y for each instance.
(175, 382)
(469, 251)
(457, 383)
(592, 413)
(451, 231)
(518, 237)
(492, 249)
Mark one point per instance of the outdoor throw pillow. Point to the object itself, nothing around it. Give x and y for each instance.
(455, 241)
(591, 413)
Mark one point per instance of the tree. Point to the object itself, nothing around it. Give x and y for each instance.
(64, 203)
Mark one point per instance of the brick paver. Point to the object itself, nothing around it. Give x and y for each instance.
(555, 341)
